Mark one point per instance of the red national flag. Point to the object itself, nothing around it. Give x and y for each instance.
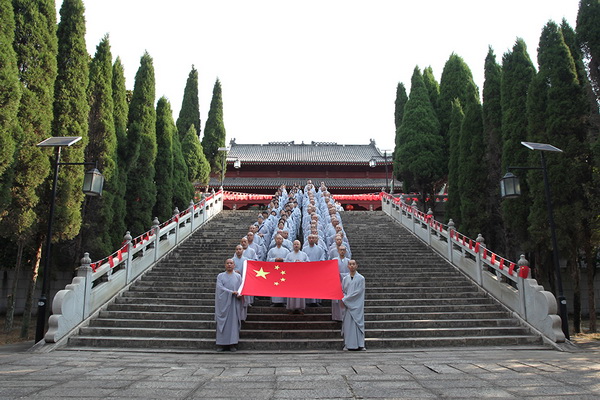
(311, 280)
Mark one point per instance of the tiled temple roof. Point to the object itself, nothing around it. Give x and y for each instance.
(366, 184)
(309, 153)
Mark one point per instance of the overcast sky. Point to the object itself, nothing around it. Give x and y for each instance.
(310, 70)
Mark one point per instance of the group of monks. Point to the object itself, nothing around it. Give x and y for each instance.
(313, 215)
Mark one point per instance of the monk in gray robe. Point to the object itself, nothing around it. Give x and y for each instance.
(294, 304)
(278, 252)
(337, 311)
(353, 325)
(228, 308)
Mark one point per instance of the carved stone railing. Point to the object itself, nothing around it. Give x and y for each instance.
(97, 283)
(507, 281)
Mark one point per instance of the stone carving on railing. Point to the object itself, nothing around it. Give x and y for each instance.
(98, 282)
(507, 281)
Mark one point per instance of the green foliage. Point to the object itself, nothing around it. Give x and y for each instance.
(433, 89)
(121, 110)
(10, 97)
(183, 191)
(102, 148)
(557, 108)
(189, 114)
(165, 131)
(420, 147)
(517, 74)
(456, 83)
(71, 112)
(472, 174)
(36, 49)
(214, 131)
(198, 167)
(492, 129)
(141, 135)
(401, 99)
(453, 204)
(588, 35)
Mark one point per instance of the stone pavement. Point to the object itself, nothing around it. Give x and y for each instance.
(531, 373)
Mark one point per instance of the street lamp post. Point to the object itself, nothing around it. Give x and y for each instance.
(510, 188)
(92, 186)
(386, 170)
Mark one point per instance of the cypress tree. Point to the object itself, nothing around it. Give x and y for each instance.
(10, 96)
(102, 148)
(401, 99)
(71, 113)
(121, 110)
(557, 110)
(433, 88)
(492, 128)
(198, 167)
(456, 83)
(35, 46)
(165, 131)
(517, 73)
(453, 205)
(472, 174)
(183, 191)
(189, 114)
(141, 135)
(214, 131)
(420, 148)
(588, 35)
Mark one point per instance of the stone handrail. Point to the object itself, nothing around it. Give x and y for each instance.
(507, 281)
(97, 283)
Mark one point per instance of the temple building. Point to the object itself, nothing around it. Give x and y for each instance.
(351, 172)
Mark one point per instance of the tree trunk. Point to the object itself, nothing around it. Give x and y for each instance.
(11, 299)
(591, 274)
(35, 266)
(575, 276)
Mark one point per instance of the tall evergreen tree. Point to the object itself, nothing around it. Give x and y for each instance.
(189, 114)
(517, 73)
(102, 148)
(10, 96)
(456, 83)
(453, 205)
(71, 113)
(557, 110)
(401, 99)
(118, 225)
(433, 88)
(588, 34)
(35, 45)
(472, 174)
(214, 131)
(165, 131)
(492, 128)
(198, 167)
(141, 135)
(183, 191)
(420, 148)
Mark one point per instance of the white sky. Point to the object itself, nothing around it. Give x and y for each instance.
(311, 70)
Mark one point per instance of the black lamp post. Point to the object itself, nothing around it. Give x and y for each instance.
(92, 186)
(386, 170)
(510, 188)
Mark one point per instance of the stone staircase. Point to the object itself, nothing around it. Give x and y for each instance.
(414, 299)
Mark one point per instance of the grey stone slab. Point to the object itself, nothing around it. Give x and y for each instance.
(340, 370)
(154, 393)
(214, 394)
(460, 382)
(77, 392)
(389, 384)
(238, 386)
(474, 393)
(535, 390)
(367, 370)
(313, 370)
(262, 371)
(377, 393)
(320, 393)
(289, 370)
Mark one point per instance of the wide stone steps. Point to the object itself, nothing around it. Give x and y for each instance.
(413, 299)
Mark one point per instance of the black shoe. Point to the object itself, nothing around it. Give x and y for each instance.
(233, 349)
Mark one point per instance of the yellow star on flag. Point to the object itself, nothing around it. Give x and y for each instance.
(277, 267)
(261, 273)
(276, 283)
(282, 279)
(282, 272)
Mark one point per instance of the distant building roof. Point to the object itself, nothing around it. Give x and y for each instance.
(311, 153)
